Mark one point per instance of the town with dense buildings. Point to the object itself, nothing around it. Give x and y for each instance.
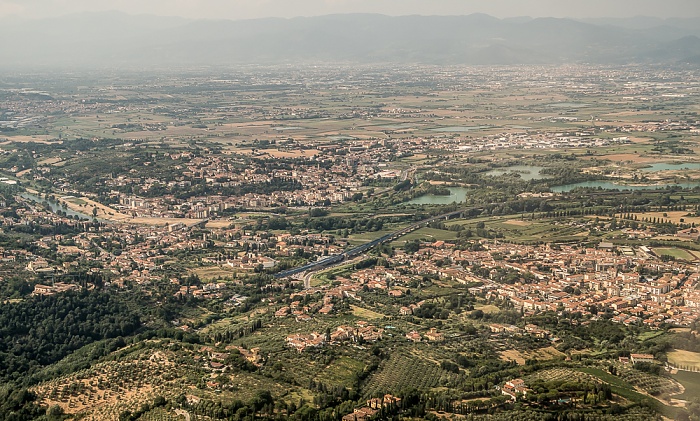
(584, 280)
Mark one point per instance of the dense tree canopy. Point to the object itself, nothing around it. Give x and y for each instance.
(46, 329)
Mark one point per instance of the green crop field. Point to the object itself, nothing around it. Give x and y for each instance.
(341, 372)
(691, 382)
(650, 335)
(627, 390)
(426, 234)
(406, 371)
(675, 252)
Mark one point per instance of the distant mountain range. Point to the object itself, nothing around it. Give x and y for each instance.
(120, 40)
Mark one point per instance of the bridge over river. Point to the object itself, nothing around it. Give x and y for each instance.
(363, 248)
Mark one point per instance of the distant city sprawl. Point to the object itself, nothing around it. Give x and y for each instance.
(339, 242)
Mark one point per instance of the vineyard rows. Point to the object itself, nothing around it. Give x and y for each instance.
(562, 374)
(654, 385)
(405, 371)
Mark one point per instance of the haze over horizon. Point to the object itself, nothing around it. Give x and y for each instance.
(252, 9)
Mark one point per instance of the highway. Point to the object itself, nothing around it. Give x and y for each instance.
(363, 248)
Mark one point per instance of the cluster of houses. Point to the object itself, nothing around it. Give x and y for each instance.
(585, 280)
(321, 184)
(301, 342)
(303, 313)
(55, 288)
(216, 361)
(529, 330)
(432, 335)
(566, 278)
(209, 290)
(361, 332)
(514, 389)
(539, 140)
(372, 408)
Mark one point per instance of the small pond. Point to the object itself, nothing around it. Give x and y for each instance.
(457, 194)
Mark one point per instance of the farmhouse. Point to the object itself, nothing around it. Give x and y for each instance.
(413, 336)
(641, 358)
(514, 387)
(434, 336)
(387, 400)
(58, 287)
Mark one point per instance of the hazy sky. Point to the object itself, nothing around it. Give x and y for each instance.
(245, 9)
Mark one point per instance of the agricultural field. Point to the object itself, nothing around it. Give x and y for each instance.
(364, 313)
(562, 374)
(525, 230)
(404, 370)
(627, 390)
(654, 385)
(676, 217)
(162, 414)
(426, 234)
(341, 372)
(684, 359)
(690, 382)
(487, 308)
(111, 387)
(676, 253)
(521, 356)
(650, 335)
(214, 273)
(132, 377)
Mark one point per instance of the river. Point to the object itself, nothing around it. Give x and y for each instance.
(54, 206)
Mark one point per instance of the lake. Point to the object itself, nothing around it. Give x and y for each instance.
(663, 166)
(527, 172)
(54, 206)
(608, 185)
(457, 194)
